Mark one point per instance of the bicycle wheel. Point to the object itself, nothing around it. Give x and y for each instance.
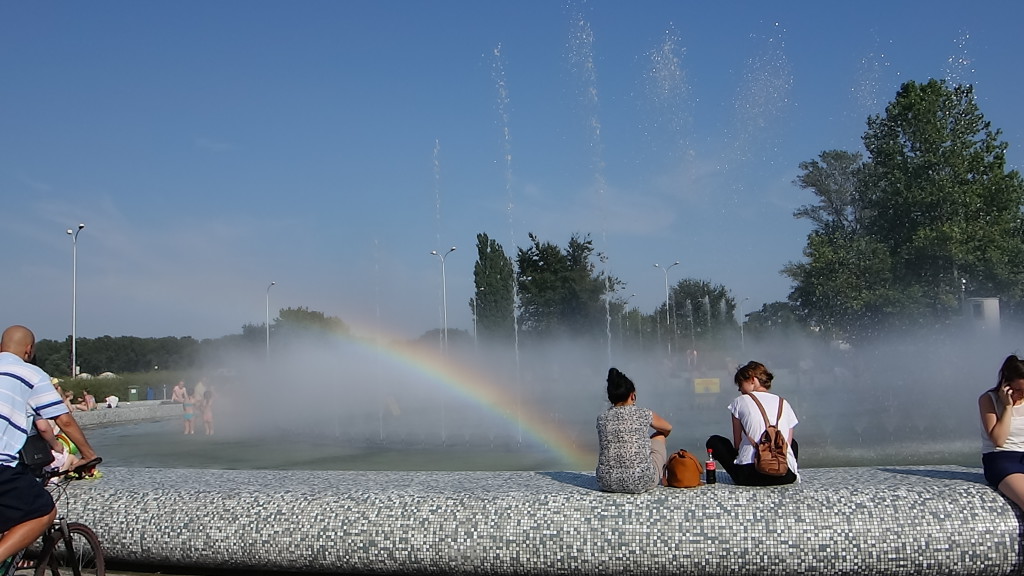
(83, 558)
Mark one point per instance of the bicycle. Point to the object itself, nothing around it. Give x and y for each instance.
(65, 548)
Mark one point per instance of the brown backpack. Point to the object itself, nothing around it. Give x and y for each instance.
(771, 448)
(683, 470)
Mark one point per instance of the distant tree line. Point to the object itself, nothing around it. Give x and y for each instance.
(549, 291)
(131, 354)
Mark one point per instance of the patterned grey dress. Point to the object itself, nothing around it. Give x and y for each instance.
(624, 463)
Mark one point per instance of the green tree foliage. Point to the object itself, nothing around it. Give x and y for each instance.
(637, 329)
(846, 283)
(253, 333)
(301, 322)
(942, 201)
(303, 318)
(700, 314)
(493, 301)
(54, 356)
(931, 217)
(774, 319)
(121, 354)
(560, 293)
(833, 178)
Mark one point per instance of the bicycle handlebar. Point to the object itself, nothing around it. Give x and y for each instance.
(87, 466)
(83, 468)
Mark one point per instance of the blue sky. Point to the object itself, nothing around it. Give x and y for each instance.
(213, 147)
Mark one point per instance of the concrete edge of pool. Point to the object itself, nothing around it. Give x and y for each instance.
(128, 412)
(882, 520)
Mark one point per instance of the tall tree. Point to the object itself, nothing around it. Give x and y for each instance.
(493, 301)
(931, 217)
(559, 291)
(941, 200)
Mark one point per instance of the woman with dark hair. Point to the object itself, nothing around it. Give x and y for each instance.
(1002, 425)
(737, 456)
(629, 461)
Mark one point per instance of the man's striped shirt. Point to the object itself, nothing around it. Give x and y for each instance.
(25, 390)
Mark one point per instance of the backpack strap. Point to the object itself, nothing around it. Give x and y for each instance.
(767, 423)
(763, 415)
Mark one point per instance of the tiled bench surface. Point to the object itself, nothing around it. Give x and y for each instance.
(886, 520)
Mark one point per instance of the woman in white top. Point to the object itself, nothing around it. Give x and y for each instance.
(737, 456)
(1002, 427)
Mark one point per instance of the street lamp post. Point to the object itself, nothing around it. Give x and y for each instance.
(444, 294)
(268, 318)
(476, 299)
(444, 344)
(743, 343)
(665, 269)
(625, 312)
(74, 298)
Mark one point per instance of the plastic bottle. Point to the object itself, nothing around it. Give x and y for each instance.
(709, 469)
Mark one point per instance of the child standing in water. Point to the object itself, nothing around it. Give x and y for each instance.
(189, 405)
(208, 412)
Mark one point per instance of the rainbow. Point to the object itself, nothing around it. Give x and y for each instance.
(478, 388)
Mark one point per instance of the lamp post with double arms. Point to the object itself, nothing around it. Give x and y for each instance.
(444, 295)
(665, 269)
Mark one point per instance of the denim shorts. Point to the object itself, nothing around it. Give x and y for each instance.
(1000, 464)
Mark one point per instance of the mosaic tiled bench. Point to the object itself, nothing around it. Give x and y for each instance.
(886, 520)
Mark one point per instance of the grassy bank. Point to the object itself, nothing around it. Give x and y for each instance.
(122, 384)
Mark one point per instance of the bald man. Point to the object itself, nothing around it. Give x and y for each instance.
(26, 508)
